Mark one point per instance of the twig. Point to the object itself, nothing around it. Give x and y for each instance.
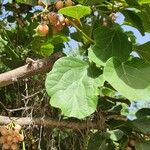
(86, 36)
(31, 96)
(117, 117)
(126, 101)
(8, 111)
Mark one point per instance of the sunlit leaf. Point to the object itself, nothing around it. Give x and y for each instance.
(109, 42)
(73, 87)
(130, 78)
(144, 51)
(76, 12)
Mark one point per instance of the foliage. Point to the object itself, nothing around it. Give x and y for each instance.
(102, 80)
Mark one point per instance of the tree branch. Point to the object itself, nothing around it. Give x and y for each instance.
(31, 68)
(121, 100)
(52, 123)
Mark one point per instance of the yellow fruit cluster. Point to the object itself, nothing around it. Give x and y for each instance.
(10, 137)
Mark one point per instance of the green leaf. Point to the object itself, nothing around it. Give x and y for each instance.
(144, 51)
(142, 145)
(73, 87)
(144, 1)
(144, 14)
(98, 142)
(76, 12)
(89, 2)
(130, 78)
(142, 125)
(134, 20)
(144, 112)
(29, 2)
(109, 42)
(133, 3)
(46, 49)
(56, 39)
(116, 135)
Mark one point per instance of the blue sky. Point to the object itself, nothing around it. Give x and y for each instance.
(140, 39)
(120, 19)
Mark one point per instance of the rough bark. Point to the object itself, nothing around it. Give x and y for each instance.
(31, 68)
(24, 121)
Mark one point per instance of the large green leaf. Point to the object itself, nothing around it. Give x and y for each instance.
(109, 42)
(131, 78)
(76, 12)
(144, 14)
(134, 20)
(142, 125)
(98, 142)
(133, 3)
(144, 1)
(73, 87)
(142, 145)
(144, 51)
(143, 113)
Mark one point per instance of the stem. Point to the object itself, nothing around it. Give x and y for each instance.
(86, 36)
(23, 142)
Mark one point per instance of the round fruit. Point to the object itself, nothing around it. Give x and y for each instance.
(68, 3)
(15, 140)
(4, 131)
(34, 147)
(9, 138)
(132, 143)
(17, 127)
(10, 132)
(6, 146)
(112, 16)
(59, 4)
(53, 18)
(3, 139)
(128, 148)
(42, 29)
(14, 146)
(20, 137)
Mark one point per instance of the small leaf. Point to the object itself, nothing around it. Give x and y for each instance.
(46, 49)
(133, 3)
(130, 78)
(98, 141)
(76, 12)
(142, 145)
(144, 1)
(109, 42)
(116, 135)
(29, 2)
(142, 125)
(145, 17)
(73, 87)
(144, 51)
(144, 112)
